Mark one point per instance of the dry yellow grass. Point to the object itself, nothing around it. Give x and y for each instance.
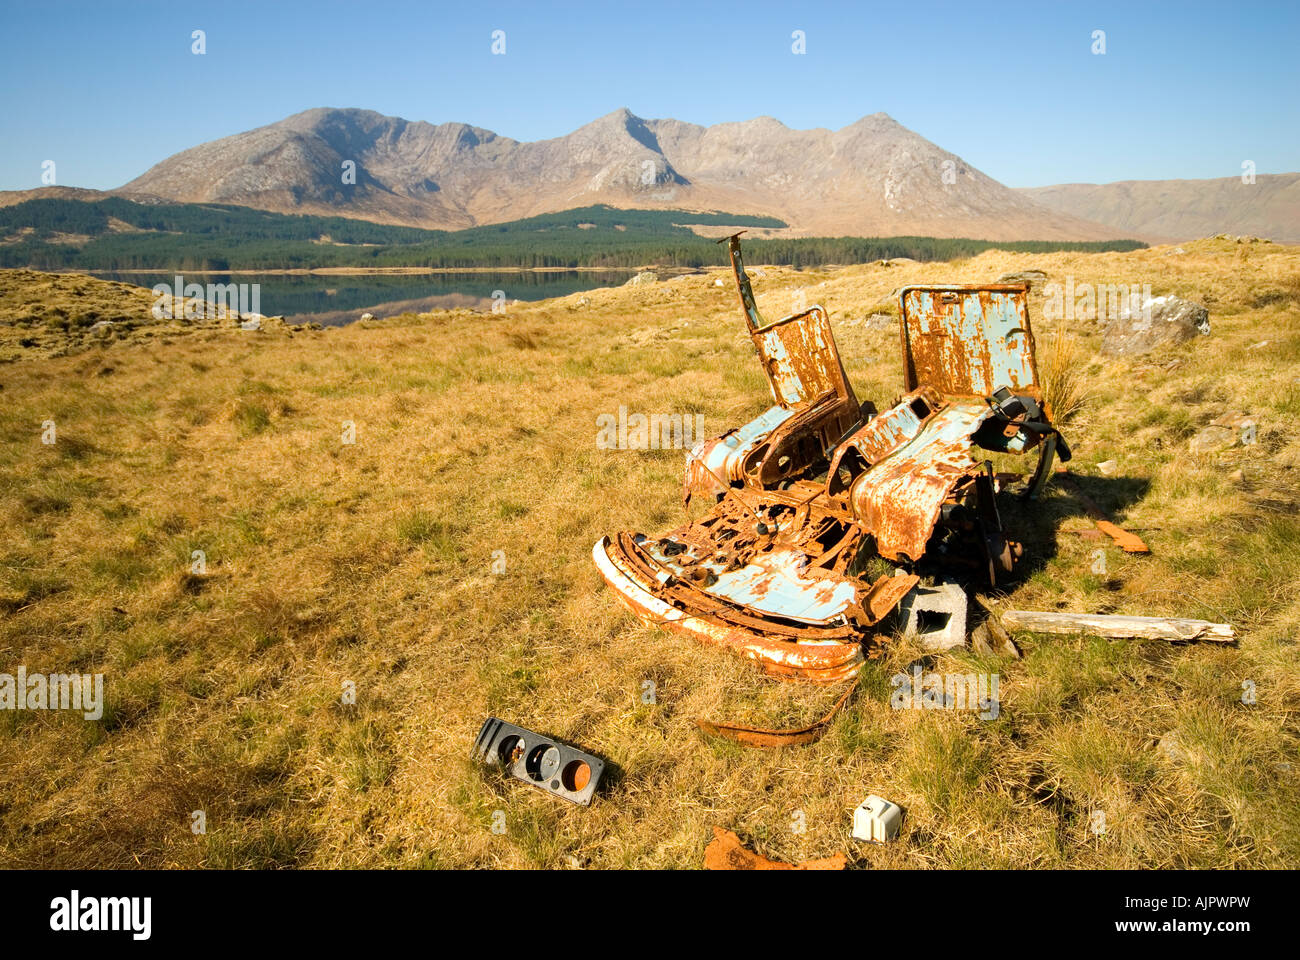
(370, 563)
(1061, 370)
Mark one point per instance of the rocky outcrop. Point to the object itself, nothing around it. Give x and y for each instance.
(1139, 327)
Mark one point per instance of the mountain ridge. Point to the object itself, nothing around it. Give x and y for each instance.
(1184, 209)
(873, 177)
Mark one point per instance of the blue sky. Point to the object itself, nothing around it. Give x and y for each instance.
(1184, 90)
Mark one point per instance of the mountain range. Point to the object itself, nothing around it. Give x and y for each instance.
(871, 178)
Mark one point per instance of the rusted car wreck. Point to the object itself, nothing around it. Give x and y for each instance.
(806, 494)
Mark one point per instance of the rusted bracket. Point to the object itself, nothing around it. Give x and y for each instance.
(760, 737)
(1044, 469)
(752, 317)
(1129, 542)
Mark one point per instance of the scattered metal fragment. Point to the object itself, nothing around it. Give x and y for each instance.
(547, 764)
(1129, 542)
(1106, 625)
(803, 496)
(760, 737)
(877, 820)
(726, 852)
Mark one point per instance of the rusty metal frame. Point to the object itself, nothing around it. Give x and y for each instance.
(806, 490)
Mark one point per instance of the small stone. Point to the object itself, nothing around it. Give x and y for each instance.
(367, 316)
(1170, 746)
(1032, 278)
(1212, 439)
(1108, 468)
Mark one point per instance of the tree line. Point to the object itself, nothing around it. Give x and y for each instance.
(216, 237)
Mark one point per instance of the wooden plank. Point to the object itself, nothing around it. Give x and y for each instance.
(1104, 625)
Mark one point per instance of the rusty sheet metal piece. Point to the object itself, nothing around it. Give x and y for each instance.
(1127, 541)
(763, 737)
(968, 341)
(898, 499)
(726, 852)
(886, 593)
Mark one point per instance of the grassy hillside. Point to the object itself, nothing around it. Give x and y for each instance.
(57, 314)
(118, 234)
(371, 564)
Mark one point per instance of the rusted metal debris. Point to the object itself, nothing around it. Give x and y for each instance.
(1129, 542)
(804, 495)
(762, 737)
(726, 852)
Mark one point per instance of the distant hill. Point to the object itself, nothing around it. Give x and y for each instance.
(9, 198)
(1184, 209)
(871, 178)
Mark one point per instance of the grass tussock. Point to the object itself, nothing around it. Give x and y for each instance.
(1062, 371)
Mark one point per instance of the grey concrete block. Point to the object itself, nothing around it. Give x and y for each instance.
(936, 615)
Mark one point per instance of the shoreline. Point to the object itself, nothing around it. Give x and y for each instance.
(390, 271)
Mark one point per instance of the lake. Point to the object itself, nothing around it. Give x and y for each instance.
(335, 300)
